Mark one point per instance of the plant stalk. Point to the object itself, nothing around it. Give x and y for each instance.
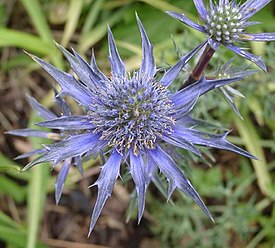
(200, 66)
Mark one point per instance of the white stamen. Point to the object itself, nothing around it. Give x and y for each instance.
(224, 22)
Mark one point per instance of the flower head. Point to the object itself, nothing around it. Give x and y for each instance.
(130, 117)
(226, 22)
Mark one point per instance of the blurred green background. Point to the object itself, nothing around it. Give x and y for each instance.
(239, 193)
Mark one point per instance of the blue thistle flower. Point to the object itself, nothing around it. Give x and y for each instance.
(225, 23)
(130, 117)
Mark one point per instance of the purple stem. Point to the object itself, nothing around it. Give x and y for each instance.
(200, 66)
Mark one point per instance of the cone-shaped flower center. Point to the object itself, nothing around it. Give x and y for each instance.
(132, 113)
(225, 24)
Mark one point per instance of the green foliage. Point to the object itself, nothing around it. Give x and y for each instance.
(234, 205)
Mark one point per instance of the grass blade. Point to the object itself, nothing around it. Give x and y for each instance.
(10, 188)
(252, 143)
(162, 5)
(15, 238)
(37, 190)
(88, 40)
(40, 23)
(92, 16)
(36, 202)
(38, 18)
(5, 220)
(7, 164)
(72, 20)
(4, 168)
(24, 40)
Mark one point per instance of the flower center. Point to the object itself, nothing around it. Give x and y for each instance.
(132, 112)
(225, 24)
